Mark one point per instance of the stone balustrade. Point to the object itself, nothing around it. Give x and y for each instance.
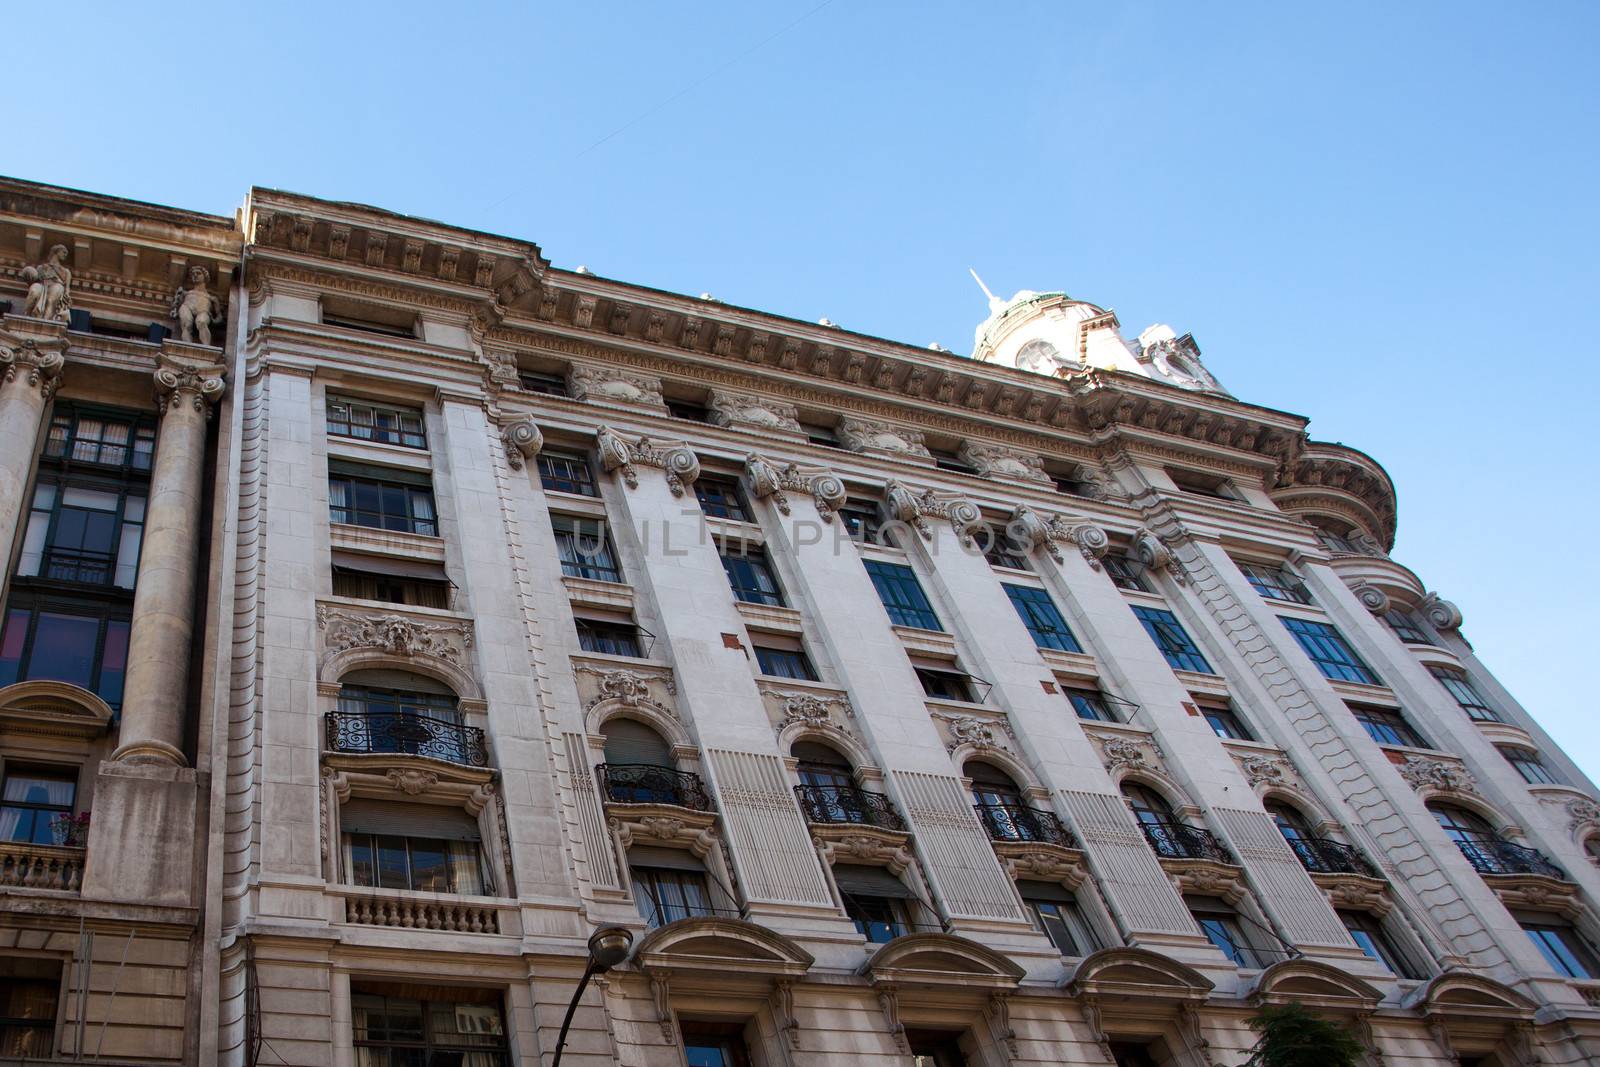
(413, 912)
(28, 866)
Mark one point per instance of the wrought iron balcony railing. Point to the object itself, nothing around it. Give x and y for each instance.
(1175, 841)
(847, 804)
(403, 733)
(645, 783)
(78, 565)
(1322, 856)
(1018, 822)
(1493, 856)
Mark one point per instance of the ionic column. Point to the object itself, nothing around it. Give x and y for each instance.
(154, 696)
(31, 373)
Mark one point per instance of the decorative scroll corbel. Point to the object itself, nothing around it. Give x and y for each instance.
(1025, 527)
(899, 505)
(1000, 1012)
(889, 1001)
(679, 462)
(783, 1011)
(1089, 1004)
(1153, 553)
(963, 515)
(1442, 614)
(828, 493)
(1193, 1034)
(1092, 541)
(661, 993)
(1372, 598)
(522, 440)
(765, 478)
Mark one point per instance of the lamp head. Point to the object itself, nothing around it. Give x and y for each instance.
(609, 946)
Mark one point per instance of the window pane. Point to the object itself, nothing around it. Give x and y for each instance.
(1172, 639)
(1328, 649)
(1042, 619)
(113, 663)
(63, 648)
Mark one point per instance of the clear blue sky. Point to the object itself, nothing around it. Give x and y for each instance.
(1380, 216)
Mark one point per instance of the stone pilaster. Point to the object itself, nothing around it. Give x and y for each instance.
(30, 361)
(163, 606)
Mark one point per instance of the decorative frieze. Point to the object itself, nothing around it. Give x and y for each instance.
(598, 383)
(764, 479)
(814, 706)
(747, 411)
(398, 635)
(1447, 776)
(679, 462)
(626, 687)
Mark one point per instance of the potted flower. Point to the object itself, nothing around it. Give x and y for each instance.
(71, 830)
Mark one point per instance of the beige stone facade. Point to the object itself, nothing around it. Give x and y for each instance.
(386, 610)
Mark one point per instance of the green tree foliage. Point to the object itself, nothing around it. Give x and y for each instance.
(1291, 1036)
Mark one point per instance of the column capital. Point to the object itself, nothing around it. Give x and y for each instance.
(618, 454)
(36, 362)
(183, 379)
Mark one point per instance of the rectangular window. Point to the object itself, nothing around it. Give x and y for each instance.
(566, 472)
(608, 638)
(1466, 694)
(902, 596)
(1529, 765)
(585, 548)
(720, 498)
(944, 684)
(1220, 924)
(1055, 914)
(1224, 720)
(384, 423)
(465, 1027)
(713, 1045)
(1330, 651)
(879, 919)
(86, 645)
(105, 439)
(545, 384)
(1000, 550)
(1043, 620)
(1201, 484)
(37, 805)
(750, 574)
(423, 849)
(947, 460)
(1387, 727)
(1368, 934)
(84, 532)
(381, 498)
(862, 521)
(1275, 583)
(1124, 572)
(1172, 639)
(30, 989)
(1562, 947)
(1091, 704)
(688, 409)
(785, 663)
(665, 895)
(391, 588)
(370, 318)
(1405, 627)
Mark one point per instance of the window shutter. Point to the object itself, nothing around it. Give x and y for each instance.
(870, 882)
(669, 859)
(1047, 891)
(628, 741)
(362, 816)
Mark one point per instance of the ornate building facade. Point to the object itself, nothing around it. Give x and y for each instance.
(386, 610)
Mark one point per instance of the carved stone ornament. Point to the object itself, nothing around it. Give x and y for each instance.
(1372, 598)
(49, 287)
(630, 689)
(900, 505)
(1584, 814)
(1263, 770)
(743, 411)
(196, 307)
(1153, 553)
(1027, 528)
(813, 709)
(881, 438)
(1092, 541)
(971, 730)
(591, 382)
(181, 384)
(35, 367)
(766, 479)
(998, 461)
(394, 634)
(963, 515)
(522, 440)
(1439, 612)
(1424, 773)
(1121, 752)
(679, 462)
(411, 781)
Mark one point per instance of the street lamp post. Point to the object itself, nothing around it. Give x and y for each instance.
(608, 946)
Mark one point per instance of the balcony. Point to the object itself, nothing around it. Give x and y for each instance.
(1175, 841)
(77, 565)
(644, 783)
(1493, 856)
(398, 733)
(844, 804)
(1318, 855)
(26, 866)
(1018, 822)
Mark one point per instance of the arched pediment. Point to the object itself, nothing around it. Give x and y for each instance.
(941, 959)
(1137, 972)
(1457, 992)
(1315, 984)
(361, 658)
(53, 709)
(722, 946)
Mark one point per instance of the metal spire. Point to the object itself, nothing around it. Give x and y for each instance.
(995, 303)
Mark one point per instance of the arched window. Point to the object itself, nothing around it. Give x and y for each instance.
(1465, 828)
(400, 712)
(1150, 807)
(822, 766)
(1291, 824)
(639, 767)
(991, 785)
(629, 741)
(1591, 848)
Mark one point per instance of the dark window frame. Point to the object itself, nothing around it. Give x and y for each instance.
(609, 638)
(124, 489)
(793, 662)
(397, 434)
(106, 614)
(721, 497)
(1125, 573)
(415, 488)
(1388, 726)
(1330, 651)
(64, 442)
(34, 809)
(430, 1044)
(1274, 583)
(584, 555)
(566, 472)
(751, 575)
(902, 595)
(1042, 619)
(1094, 701)
(1172, 640)
(1521, 759)
(1459, 685)
(1225, 721)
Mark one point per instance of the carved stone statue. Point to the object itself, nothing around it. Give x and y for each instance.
(196, 307)
(49, 286)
